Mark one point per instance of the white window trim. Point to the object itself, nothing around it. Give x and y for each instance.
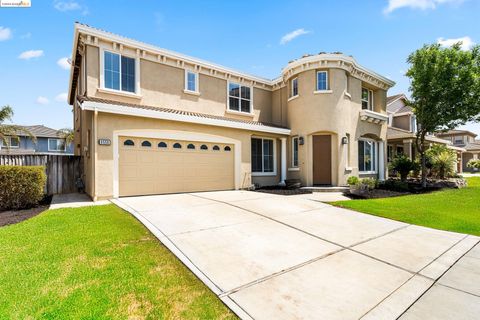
(102, 88)
(9, 143)
(369, 103)
(293, 151)
(251, 113)
(186, 90)
(274, 172)
(291, 88)
(375, 160)
(57, 150)
(326, 80)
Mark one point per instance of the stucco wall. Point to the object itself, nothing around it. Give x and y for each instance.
(402, 122)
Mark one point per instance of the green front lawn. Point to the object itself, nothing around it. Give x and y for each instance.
(454, 209)
(96, 263)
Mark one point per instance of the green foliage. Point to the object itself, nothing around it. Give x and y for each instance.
(445, 90)
(442, 160)
(9, 130)
(474, 164)
(21, 186)
(403, 165)
(67, 134)
(353, 180)
(394, 185)
(368, 183)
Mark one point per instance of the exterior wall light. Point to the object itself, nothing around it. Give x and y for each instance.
(345, 140)
(301, 141)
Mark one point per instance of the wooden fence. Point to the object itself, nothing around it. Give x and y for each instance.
(62, 171)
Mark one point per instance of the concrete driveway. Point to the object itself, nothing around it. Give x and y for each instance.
(288, 257)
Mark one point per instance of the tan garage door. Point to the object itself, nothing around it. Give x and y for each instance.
(155, 166)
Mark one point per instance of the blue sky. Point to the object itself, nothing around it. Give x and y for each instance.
(246, 35)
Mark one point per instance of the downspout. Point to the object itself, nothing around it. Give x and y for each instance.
(94, 145)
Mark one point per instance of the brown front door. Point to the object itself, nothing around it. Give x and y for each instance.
(322, 160)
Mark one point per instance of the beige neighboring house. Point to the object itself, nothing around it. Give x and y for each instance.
(466, 140)
(152, 121)
(402, 128)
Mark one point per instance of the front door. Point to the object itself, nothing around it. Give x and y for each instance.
(322, 160)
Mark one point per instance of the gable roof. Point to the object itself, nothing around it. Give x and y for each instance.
(456, 131)
(394, 107)
(39, 131)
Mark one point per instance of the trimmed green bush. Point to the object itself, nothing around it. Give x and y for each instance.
(21, 186)
(403, 165)
(369, 183)
(353, 180)
(474, 164)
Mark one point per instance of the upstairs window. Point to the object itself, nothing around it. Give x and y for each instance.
(191, 81)
(322, 80)
(56, 145)
(294, 87)
(367, 99)
(10, 143)
(458, 140)
(119, 72)
(239, 98)
(413, 123)
(262, 155)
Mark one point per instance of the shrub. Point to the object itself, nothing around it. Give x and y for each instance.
(21, 186)
(474, 164)
(403, 165)
(368, 183)
(394, 185)
(353, 180)
(442, 160)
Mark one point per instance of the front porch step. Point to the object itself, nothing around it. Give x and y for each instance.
(326, 189)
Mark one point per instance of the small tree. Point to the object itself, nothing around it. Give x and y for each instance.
(442, 160)
(10, 130)
(403, 165)
(67, 134)
(445, 90)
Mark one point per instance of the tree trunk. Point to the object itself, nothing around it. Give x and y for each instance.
(420, 144)
(424, 170)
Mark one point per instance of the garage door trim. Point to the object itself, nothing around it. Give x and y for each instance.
(172, 135)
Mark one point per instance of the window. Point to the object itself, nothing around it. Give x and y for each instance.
(190, 146)
(413, 123)
(239, 98)
(191, 81)
(347, 83)
(294, 87)
(389, 153)
(177, 145)
(146, 144)
(399, 150)
(322, 80)
(216, 148)
(262, 155)
(128, 143)
(203, 147)
(367, 99)
(227, 148)
(162, 145)
(119, 72)
(458, 140)
(295, 152)
(12, 143)
(56, 145)
(367, 157)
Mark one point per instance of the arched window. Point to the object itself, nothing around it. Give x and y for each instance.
(191, 146)
(216, 148)
(204, 147)
(128, 143)
(177, 145)
(227, 148)
(146, 144)
(162, 145)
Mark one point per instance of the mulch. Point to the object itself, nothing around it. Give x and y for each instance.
(8, 217)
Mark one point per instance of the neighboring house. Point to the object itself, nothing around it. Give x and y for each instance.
(48, 142)
(149, 120)
(466, 140)
(402, 129)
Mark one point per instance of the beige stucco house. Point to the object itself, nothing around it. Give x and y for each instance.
(465, 140)
(149, 120)
(402, 129)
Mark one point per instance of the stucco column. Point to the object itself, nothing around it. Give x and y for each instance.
(283, 161)
(407, 148)
(381, 160)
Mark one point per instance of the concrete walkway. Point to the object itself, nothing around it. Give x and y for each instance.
(74, 200)
(282, 257)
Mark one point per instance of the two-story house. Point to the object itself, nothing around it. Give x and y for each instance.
(466, 140)
(48, 141)
(151, 121)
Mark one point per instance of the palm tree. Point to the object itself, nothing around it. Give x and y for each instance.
(11, 130)
(67, 134)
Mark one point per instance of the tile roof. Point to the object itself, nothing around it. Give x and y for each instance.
(393, 98)
(456, 131)
(396, 133)
(39, 131)
(471, 146)
(81, 99)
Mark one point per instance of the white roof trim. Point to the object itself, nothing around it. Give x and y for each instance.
(402, 96)
(156, 114)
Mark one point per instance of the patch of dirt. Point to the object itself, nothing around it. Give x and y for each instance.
(8, 217)
(376, 194)
(285, 191)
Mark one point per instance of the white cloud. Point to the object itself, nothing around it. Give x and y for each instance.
(64, 63)
(67, 5)
(27, 55)
(62, 97)
(5, 34)
(42, 100)
(467, 43)
(292, 35)
(416, 4)
(27, 35)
